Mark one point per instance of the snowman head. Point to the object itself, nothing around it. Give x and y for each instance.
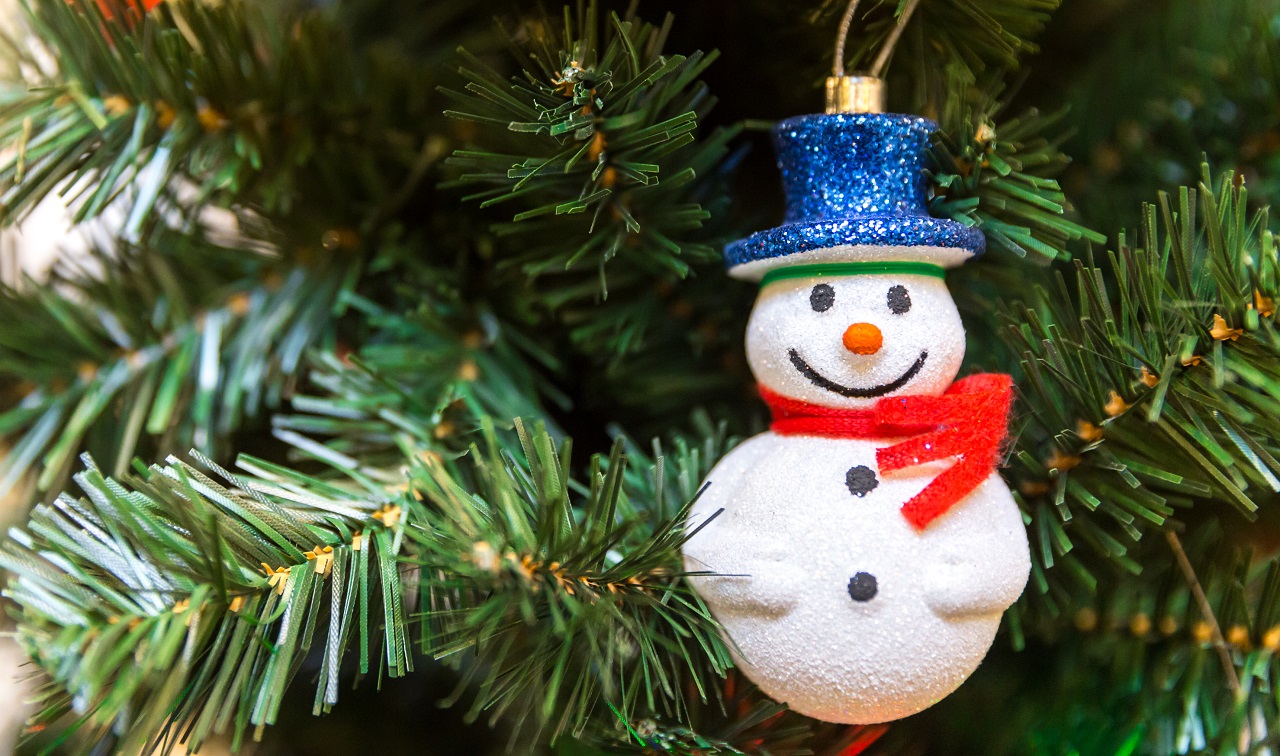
(852, 305)
(848, 335)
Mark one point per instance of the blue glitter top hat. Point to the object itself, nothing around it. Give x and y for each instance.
(855, 192)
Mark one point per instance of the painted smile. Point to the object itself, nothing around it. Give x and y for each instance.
(823, 382)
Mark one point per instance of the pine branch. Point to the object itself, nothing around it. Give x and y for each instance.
(260, 105)
(422, 381)
(658, 353)
(1000, 176)
(625, 206)
(552, 607)
(473, 558)
(213, 593)
(164, 345)
(523, 586)
(600, 158)
(505, 548)
(1156, 396)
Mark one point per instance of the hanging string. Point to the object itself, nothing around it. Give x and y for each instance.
(837, 62)
(882, 60)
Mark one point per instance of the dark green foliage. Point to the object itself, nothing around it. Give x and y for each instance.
(388, 335)
(1001, 176)
(945, 42)
(606, 163)
(592, 150)
(667, 349)
(169, 338)
(742, 721)
(1160, 86)
(1173, 687)
(171, 567)
(256, 105)
(1199, 425)
(1134, 671)
(425, 379)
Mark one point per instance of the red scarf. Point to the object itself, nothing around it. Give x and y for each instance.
(968, 422)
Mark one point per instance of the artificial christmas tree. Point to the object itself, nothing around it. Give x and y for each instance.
(305, 482)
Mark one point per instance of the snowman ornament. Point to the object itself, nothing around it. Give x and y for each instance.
(859, 555)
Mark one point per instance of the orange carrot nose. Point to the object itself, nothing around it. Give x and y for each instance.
(863, 338)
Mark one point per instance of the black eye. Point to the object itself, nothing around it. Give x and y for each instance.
(899, 300)
(822, 297)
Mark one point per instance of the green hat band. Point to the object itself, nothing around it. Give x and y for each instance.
(852, 269)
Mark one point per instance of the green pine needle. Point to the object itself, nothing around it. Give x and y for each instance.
(425, 375)
(999, 175)
(556, 596)
(600, 158)
(159, 346)
(149, 601)
(1157, 393)
(227, 104)
(1145, 675)
(741, 720)
(944, 42)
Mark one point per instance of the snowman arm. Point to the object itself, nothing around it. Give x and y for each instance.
(754, 582)
(737, 572)
(741, 574)
(965, 588)
(982, 567)
(741, 570)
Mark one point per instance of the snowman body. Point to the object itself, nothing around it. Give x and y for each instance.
(793, 546)
(832, 601)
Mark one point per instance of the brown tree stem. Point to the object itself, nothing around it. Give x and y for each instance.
(1224, 655)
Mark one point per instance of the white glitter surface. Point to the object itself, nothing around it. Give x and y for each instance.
(784, 320)
(792, 534)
